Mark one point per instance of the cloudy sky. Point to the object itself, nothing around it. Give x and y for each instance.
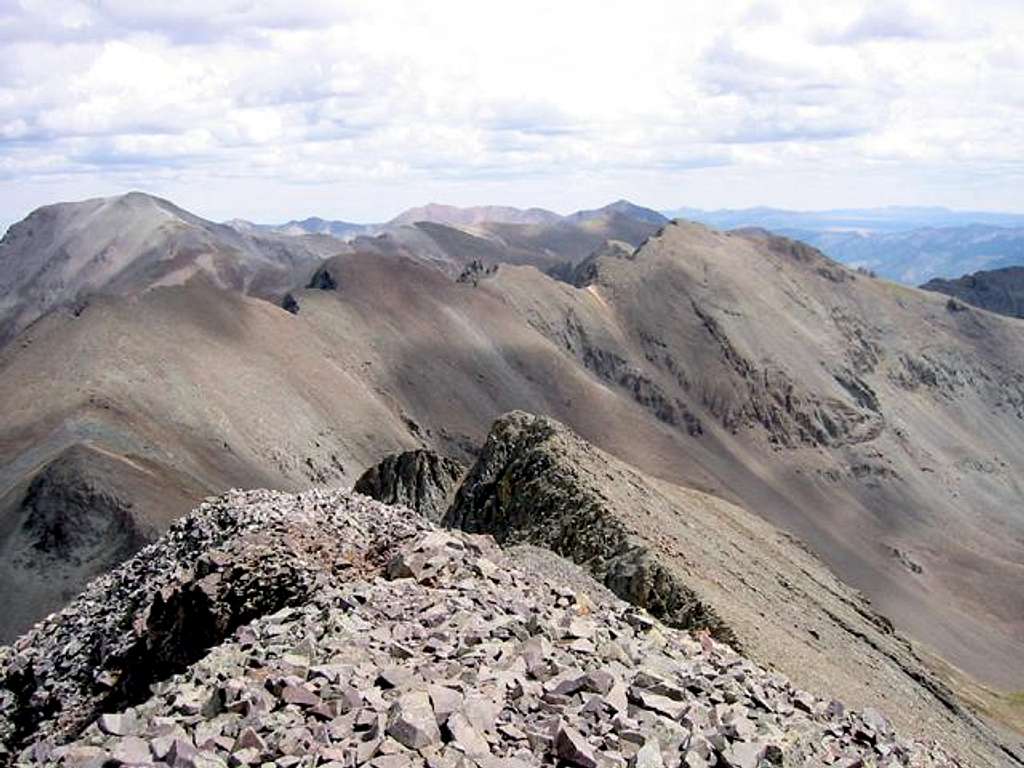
(354, 110)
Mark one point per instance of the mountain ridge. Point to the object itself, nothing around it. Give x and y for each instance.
(867, 418)
(300, 627)
(998, 290)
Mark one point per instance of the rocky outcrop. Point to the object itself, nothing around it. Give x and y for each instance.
(522, 491)
(997, 290)
(68, 517)
(702, 564)
(421, 480)
(290, 304)
(323, 280)
(432, 649)
(236, 558)
(476, 271)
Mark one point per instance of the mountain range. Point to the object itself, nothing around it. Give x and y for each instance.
(151, 358)
(910, 245)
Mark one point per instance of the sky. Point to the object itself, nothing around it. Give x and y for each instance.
(355, 110)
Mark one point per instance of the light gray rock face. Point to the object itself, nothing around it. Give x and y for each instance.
(421, 480)
(463, 660)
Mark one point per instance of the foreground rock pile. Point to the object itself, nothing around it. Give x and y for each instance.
(431, 648)
(235, 558)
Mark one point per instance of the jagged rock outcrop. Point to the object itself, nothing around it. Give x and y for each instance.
(701, 563)
(520, 492)
(323, 280)
(421, 480)
(997, 290)
(68, 517)
(476, 271)
(402, 645)
(290, 304)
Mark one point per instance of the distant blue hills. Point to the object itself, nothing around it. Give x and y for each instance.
(908, 244)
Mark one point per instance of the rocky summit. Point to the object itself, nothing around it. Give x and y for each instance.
(326, 629)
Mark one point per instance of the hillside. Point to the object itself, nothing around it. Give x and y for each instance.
(869, 419)
(702, 564)
(62, 254)
(997, 290)
(453, 216)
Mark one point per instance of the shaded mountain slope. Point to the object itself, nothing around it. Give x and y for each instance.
(997, 290)
(79, 515)
(544, 245)
(200, 383)
(573, 240)
(127, 244)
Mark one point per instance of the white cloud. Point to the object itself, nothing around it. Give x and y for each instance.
(289, 108)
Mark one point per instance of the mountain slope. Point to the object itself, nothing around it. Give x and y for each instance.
(997, 290)
(867, 418)
(699, 563)
(620, 208)
(546, 246)
(208, 389)
(125, 245)
(314, 225)
(906, 244)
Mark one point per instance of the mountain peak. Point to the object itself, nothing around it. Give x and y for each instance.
(624, 207)
(451, 215)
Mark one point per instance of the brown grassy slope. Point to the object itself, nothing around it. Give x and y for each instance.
(209, 389)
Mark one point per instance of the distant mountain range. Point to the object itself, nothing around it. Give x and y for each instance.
(452, 216)
(906, 244)
(875, 220)
(910, 245)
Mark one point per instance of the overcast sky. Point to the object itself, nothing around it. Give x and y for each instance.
(275, 110)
